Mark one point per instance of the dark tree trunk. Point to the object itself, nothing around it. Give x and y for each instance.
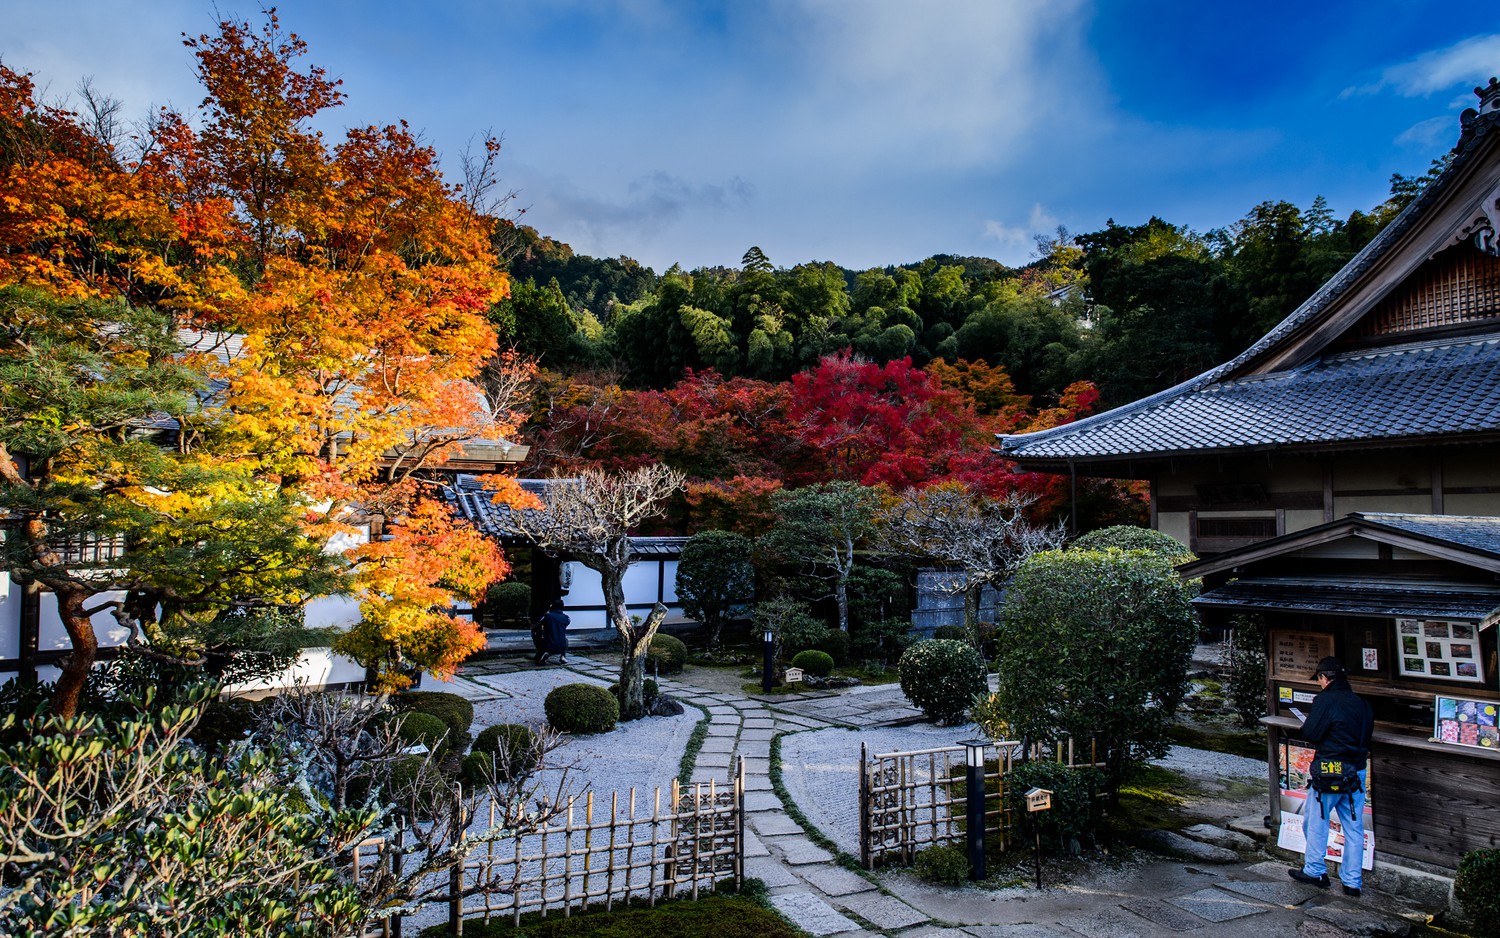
(68, 693)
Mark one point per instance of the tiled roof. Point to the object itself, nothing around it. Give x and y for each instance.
(1393, 393)
(1470, 531)
(1421, 599)
(473, 502)
(1418, 390)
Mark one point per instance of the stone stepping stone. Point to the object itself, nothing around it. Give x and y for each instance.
(1154, 910)
(1287, 894)
(836, 881)
(799, 851)
(1112, 923)
(885, 912)
(772, 823)
(1357, 919)
(1217, 905)
(1174, 844)
(1015, 930)
(770, 872)
(1220, 837)
(812, 914)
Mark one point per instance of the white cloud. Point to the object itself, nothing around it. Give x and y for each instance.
(1466, 62)
(1017, 241)
(1429, 134)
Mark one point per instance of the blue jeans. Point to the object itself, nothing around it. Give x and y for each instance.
(1351, 814)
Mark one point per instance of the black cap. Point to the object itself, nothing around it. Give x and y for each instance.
(1330, 666)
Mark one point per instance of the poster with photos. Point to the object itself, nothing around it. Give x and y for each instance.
(1448, 651)
(1461, 722)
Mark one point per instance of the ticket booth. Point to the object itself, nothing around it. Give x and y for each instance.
(1409, 603)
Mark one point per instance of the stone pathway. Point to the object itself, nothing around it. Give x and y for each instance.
(810, 888)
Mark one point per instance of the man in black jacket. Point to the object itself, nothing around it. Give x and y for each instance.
(1340, 725)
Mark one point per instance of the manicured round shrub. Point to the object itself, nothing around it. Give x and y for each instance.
(816, 663)
(943, 865)
(649, 690)
(508, 603)
(668, 653)
(456, 711)
(1130, 537)
(581, 708)
(835, 645)
(1477, 888)
(512, 746)
(941, 678)
(423, 729)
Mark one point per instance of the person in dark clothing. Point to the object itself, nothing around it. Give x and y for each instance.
(1340, 724)
(554, 634)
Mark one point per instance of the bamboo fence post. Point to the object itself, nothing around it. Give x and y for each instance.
(609, 882)
(864, 806)
(739, 825)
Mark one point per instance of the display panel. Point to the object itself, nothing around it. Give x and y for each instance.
(1447, 651)
(1461, 722)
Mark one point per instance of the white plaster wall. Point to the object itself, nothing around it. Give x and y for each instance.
(316, 667)
(10, 619)
(340, 611)
(53, 637)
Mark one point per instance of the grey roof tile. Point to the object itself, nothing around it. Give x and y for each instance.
(1428, 389)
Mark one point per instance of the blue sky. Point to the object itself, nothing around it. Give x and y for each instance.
(865, 133)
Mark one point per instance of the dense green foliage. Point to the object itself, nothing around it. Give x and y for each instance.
(581, 708)
(814, 662)
(941, 677)
(1075, 812)
(423, 729)
(456, 711)
(715, 579)
(667, 654)
(942, 865)
(502, 751)
(1096, 644)
(508, 603)
(1245, 680)
(1130, 537)
(1477, 888)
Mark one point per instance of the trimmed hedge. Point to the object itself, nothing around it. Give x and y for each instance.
(415, 728)
(511, 746)
(456, 711)
(816, 663)
(942, 677)
(509, 603)
(668, 653)
(581, 708)
(1075, 812)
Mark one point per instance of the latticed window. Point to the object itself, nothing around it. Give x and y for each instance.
(1459, 285)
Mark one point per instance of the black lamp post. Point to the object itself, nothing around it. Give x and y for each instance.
(768, 669)
(974, 802)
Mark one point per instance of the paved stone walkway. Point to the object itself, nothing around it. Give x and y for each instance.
(1153, 899)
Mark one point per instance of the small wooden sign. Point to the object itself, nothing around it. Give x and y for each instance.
(1038, 799)
(1295, 655)
(793, 675)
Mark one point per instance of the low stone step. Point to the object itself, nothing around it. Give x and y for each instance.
(1220, 837)
(1174, 844)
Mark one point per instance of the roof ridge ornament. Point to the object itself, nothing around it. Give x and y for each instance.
(1489, 103)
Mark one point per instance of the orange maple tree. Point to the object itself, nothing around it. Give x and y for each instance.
(337, 296)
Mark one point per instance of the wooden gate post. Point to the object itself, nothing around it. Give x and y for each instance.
(865, 859)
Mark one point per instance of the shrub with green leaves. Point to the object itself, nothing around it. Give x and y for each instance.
(423, 729)
(835, 645)
(1075, 812)
(455, 711)
(881, 640)
(582, 709)
(1477, 888)
(501, 753)
(667, 653)
(1096, 644)
(715, 579)
(225, 721)
(788, 619)
(1246, 667)
(942, 865)
(941, 677)
(508, 603)
(416, 788)
(1130, 537)
(816, 663)
(951, 633)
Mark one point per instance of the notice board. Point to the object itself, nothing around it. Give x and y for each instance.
(1295, 655)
